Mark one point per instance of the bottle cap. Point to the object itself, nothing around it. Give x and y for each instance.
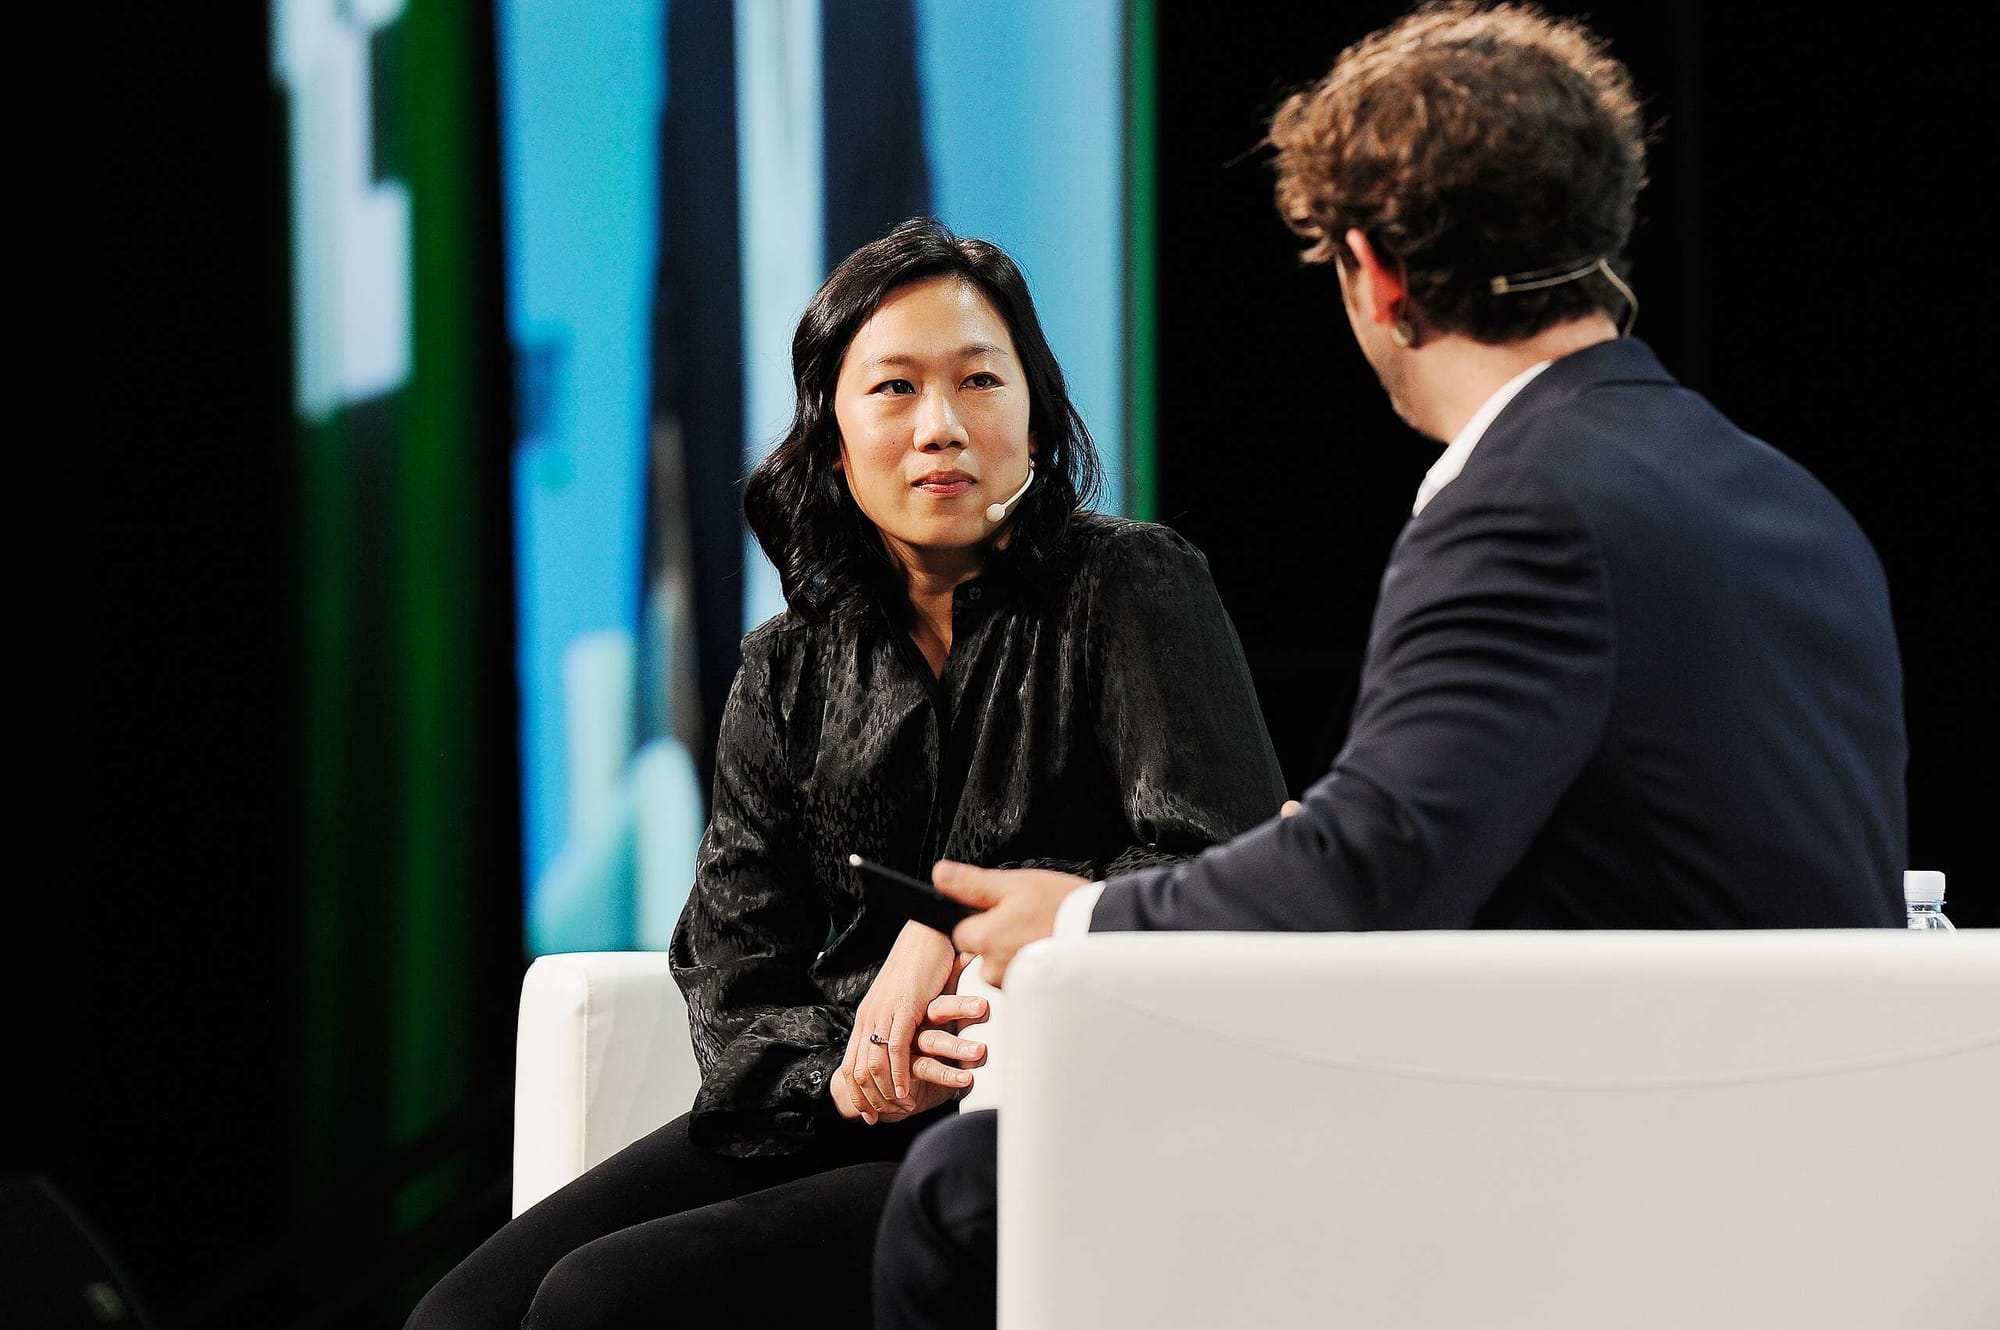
(1923, 887)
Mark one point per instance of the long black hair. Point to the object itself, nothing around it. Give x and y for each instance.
(829, 556)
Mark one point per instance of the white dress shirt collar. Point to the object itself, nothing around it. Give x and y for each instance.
(1446, 468)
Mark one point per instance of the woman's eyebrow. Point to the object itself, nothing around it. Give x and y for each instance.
(966, 352)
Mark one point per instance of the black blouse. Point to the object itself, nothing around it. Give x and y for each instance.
(1096, 719)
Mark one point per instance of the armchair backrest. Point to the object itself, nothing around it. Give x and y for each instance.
(1428, 1130)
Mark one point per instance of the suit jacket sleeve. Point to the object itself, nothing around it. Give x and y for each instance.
(765, 1037)
(1486, 689)
(1175, 709)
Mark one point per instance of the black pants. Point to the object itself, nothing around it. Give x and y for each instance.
(665, 1233)
(935, 1257)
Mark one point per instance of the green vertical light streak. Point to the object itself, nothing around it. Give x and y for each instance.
(391, 674)
(436, 522)
(1141, 261)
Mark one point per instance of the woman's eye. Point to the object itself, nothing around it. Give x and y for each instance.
(894, 386)
(982, 380)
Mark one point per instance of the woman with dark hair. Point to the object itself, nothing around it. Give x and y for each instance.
(971, 666)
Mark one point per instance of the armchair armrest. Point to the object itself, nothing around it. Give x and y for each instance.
(602, 1056)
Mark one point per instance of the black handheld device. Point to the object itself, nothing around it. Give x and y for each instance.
(907, 898)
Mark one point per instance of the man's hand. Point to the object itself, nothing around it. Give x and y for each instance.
(1018, 906)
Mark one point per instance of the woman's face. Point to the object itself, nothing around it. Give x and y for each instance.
(932, 406)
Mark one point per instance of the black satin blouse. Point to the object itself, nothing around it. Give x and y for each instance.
(1097, 719)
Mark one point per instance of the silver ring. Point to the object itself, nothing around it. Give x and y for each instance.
(879, 1040)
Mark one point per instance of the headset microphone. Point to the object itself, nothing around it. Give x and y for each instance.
(996, 512)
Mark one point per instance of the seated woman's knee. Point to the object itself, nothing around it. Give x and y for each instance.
(578, 1293)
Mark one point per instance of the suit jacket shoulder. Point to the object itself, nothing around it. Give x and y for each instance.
(1633, 668)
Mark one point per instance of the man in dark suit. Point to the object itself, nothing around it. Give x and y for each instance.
(1630, 668)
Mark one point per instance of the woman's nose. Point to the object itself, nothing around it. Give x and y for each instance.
(938, 425)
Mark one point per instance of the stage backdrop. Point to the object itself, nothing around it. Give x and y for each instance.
(678, 178)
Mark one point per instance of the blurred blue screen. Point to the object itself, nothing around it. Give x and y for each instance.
(678, 179)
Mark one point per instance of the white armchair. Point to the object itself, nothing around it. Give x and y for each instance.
(602, 1056)
(1653, 1131)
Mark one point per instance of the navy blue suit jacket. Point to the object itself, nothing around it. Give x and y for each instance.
(1632, 669)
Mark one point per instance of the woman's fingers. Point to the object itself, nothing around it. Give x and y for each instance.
(858, 1087)
(878, 1064)
(945, 1044)
(846, 1073)
(874, 1074)
(951, 1007)
(902, 1030)
(941, 1073)
(867, 1094)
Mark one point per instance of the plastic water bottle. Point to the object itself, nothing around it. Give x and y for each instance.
(1923, 894)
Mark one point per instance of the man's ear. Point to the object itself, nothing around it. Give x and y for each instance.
(1376, 282)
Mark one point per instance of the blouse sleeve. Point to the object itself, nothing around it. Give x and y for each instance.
(1177, 714)
(765, 1037)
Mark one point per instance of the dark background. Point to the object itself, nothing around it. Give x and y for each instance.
(1810, 257)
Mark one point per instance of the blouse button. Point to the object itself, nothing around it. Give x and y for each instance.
(972, 594)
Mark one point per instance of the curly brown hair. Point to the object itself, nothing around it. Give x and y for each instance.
(1469, 142)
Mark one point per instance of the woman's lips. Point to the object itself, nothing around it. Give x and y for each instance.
(944, 486)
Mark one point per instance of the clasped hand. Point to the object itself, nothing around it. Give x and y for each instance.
(914, 1005)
